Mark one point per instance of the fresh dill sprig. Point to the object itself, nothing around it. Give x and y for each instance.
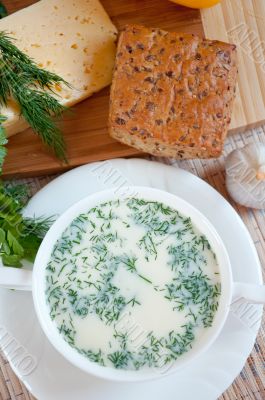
(32, 88)
(37, 226)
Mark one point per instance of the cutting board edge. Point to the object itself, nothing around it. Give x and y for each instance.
(62, 168)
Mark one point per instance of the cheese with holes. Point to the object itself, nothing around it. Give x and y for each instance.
(73, 38)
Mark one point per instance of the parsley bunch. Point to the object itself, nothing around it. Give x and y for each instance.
(20, 237)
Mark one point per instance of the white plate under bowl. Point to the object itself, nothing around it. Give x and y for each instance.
(45, 372)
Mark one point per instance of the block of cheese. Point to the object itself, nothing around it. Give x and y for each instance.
(73, 38)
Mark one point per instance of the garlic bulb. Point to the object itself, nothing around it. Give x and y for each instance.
(245, 175)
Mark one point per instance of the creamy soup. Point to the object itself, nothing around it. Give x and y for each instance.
(132, 284)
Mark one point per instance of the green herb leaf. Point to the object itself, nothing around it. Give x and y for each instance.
(14, 244)
(37, 226)
(29, 85)
(31, 244)
(3, 242)
(20, 237)
(19, 193)
(12, 260)
(9, 209)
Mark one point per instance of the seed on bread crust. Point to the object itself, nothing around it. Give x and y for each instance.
(172, 93)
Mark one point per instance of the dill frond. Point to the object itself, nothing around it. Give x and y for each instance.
(32, 88)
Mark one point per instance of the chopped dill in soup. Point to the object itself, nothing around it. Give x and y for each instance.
(132, 284)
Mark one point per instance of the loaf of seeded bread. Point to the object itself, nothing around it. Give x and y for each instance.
(172, 93)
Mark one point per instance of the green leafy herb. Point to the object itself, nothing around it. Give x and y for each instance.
(29, 85)
(18, 192)
(20, 237)
(37, 226)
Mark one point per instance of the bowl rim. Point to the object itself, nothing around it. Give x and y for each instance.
(43, 255)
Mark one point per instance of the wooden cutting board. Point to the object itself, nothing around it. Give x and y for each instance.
(85, 130)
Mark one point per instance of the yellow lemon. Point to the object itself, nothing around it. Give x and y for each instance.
(197, 3)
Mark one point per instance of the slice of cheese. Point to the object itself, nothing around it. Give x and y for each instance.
(73, 38)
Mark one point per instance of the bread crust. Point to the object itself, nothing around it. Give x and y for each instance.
(172, 93)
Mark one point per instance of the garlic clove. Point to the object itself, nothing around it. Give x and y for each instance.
(245, 175)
